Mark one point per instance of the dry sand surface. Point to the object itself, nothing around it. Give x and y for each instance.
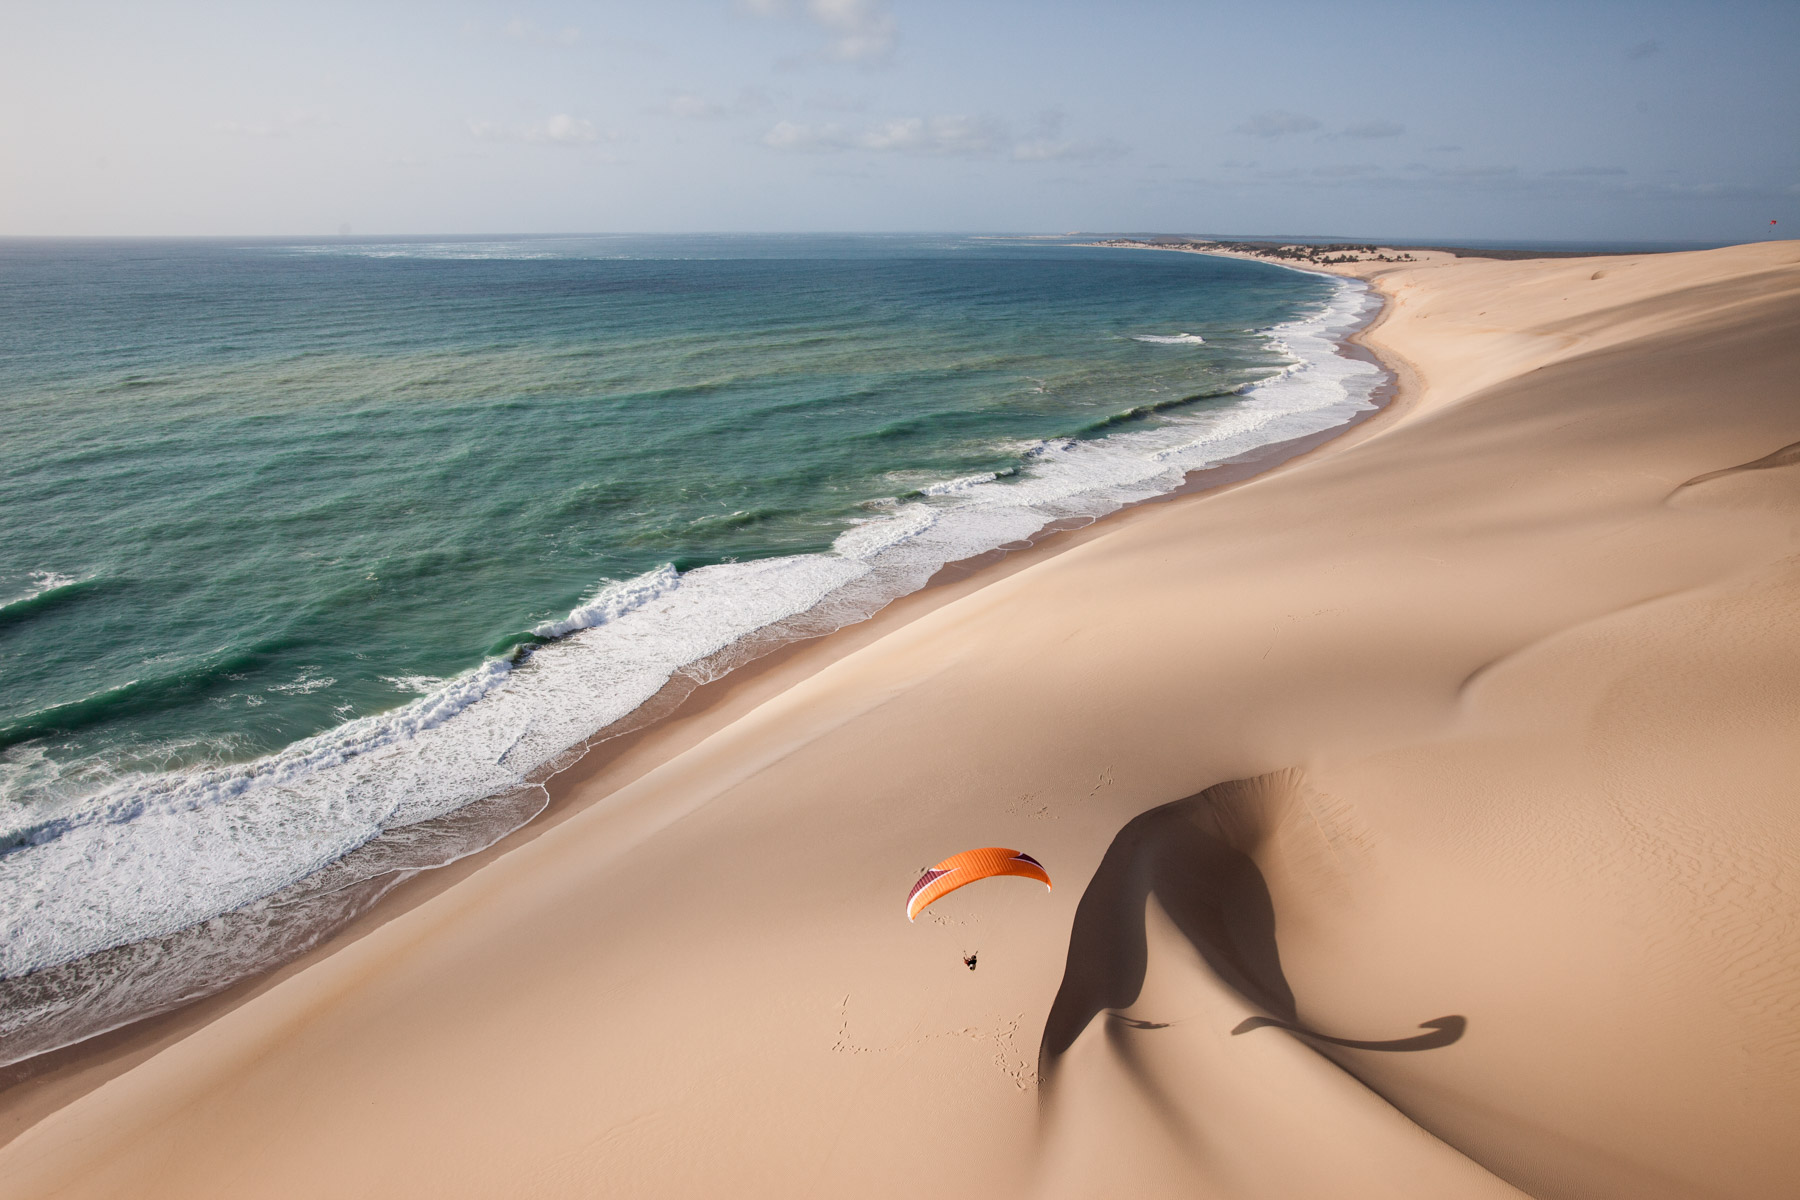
(1424, 817)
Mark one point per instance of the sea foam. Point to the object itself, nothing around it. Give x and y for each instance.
(159, 861)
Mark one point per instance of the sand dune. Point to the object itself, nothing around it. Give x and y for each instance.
(1423, 817)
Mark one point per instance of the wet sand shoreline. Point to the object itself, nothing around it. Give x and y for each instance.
(673, 720)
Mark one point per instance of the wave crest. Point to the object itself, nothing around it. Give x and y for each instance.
(613, 601)
(153, 855)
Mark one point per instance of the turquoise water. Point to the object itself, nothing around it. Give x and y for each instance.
(304, 544)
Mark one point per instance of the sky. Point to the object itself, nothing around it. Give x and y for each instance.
(1564, 121)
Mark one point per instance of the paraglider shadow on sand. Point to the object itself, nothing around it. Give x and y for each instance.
(1191, 856)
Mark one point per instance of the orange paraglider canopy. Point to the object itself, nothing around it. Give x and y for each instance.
(967, 867)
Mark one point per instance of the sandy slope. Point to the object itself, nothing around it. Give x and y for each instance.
(1469, 750)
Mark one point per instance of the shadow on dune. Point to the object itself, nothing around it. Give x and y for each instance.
(1193, 856)
(1444, 1031)
(1787, 456)
(1212, 892)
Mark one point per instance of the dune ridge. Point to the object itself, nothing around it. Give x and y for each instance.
(1422, 816)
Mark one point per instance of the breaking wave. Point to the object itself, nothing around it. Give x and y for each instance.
(163, 888)
(47, 590)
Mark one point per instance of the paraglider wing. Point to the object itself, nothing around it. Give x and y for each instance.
(967, 867)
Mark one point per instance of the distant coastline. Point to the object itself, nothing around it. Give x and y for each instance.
(1287, 254)
(1327, 255)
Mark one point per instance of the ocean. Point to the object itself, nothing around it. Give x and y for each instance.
(317, 557)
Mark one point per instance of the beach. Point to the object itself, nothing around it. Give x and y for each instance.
(1421, 817)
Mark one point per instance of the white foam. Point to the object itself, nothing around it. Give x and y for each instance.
(865, 540)
(951, 487)
(47, 581)
(417, 684)
(149, 855)
(41, 583)
(1171, 339)
(304, 684)
(613, 601)
(449, 251)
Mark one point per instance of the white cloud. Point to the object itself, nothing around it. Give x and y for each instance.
(1275, 124)
(696, 106)
(953, 135)
(863, 30)
(946, 136)
(858, 31)
(559, 130)
(807, 139)
(564, 130)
